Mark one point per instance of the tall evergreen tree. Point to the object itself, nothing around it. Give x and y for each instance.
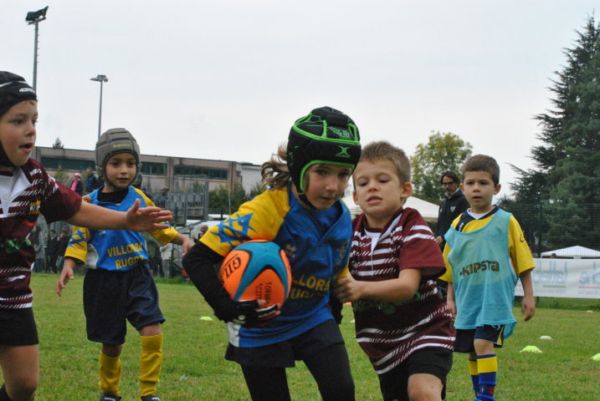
(566, 179)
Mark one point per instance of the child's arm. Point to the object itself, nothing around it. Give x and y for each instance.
(66, 274)
(399, 289)
(528, 303)
(186, 243)
(136, 218)
(523, 263)
(450, 299)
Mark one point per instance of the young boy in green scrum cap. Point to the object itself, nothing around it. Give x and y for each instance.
(303, 213)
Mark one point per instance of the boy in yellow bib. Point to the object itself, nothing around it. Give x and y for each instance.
(485, 253)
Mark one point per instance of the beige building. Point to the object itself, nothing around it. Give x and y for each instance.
(177, 174)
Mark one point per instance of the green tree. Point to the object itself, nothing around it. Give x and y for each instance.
(566, 178)
(60, 175)
(442, 152)
(221, 201)
(58, 144)
(255, 190)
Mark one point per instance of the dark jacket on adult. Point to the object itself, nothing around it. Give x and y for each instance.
(450, 208)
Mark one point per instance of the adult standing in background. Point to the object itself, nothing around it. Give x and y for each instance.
(39, 244)
(453, 204)
(92, 181)
(77, 184)
(63, 241)
(51, 251)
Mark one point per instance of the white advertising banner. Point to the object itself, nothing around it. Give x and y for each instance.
(565, 278)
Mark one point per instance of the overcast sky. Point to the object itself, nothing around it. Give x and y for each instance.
(226, 79)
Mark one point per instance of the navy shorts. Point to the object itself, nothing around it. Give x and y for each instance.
(111, 298)
(17, 327)
(433, 361)
(465, 338)
(285, 353)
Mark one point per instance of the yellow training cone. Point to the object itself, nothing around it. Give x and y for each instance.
(206, 318)
(596, 358)
(531, 348)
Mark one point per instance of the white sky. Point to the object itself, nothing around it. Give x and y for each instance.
(226, 79)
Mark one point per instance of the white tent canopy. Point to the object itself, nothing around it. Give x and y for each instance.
(575, 251)
(428, 210)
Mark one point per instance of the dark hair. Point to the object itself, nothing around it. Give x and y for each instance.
(383, 150)
(482, 163)
(450, 174)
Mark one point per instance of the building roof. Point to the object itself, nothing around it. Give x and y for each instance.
(575, 251)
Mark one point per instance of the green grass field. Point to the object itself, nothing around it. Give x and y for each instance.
(194, 368)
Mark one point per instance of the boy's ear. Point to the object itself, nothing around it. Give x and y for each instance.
(497, 189)
(407, 188)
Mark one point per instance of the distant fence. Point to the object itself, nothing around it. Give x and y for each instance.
(184, 205)
(565, 278)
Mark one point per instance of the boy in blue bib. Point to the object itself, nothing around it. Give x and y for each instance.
(485, 254)
(120, 288)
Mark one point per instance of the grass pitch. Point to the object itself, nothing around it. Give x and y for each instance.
(194, 368)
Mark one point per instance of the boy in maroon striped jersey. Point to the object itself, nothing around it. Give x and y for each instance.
(402, 321)
(26, 191)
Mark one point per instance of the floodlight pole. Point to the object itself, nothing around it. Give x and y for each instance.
(34, 18)
(102, 79)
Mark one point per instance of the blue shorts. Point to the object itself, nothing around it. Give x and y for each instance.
(111, 298)
(465, 338)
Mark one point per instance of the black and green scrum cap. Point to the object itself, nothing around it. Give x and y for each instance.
(324, 136)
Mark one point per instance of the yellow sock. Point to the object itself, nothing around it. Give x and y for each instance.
(474, 375)
(150, 363)
(110, 374)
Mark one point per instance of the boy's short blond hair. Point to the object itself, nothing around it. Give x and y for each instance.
(383, 150)
(482, 163)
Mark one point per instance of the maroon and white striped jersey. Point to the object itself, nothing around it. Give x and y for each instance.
(390, 332)
(23, 196)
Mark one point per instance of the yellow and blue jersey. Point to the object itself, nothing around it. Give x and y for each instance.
(317, 244)
(484, 257)
(116, 250)
(518, 250)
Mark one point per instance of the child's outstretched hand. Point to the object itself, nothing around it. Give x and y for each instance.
(65, 275)
(147, 218)
(348, 289)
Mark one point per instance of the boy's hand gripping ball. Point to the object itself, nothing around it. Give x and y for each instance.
(257, 273)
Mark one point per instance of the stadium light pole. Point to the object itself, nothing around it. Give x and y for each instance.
(34, 18)
(102, 79)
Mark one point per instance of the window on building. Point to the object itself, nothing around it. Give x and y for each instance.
(54, 163)
(201, 172)
(150, 168)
